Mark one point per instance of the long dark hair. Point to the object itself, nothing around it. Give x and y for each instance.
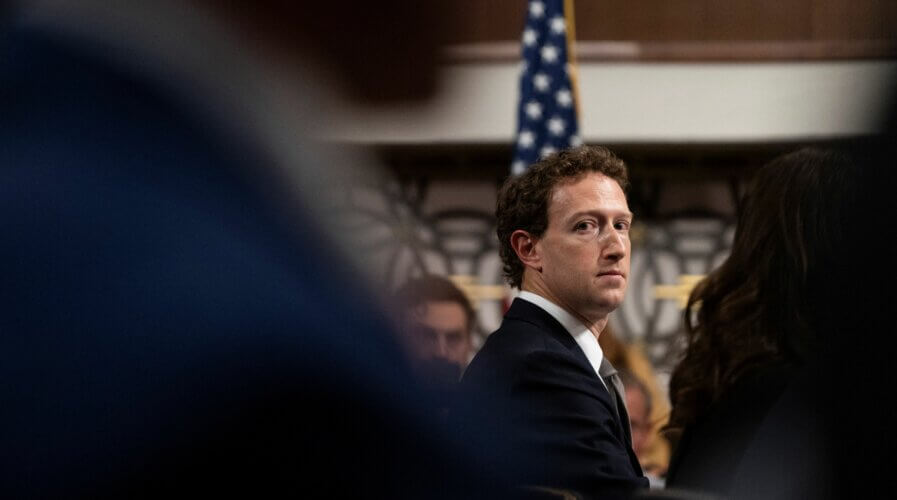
(773, 300)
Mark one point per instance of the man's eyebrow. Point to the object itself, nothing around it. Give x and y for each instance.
(625, 213)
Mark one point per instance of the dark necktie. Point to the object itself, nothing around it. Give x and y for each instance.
(617, 396)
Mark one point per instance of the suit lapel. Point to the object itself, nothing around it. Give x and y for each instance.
(523, 310)
(527, 311)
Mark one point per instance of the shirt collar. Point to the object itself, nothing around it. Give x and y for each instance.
(580, 333)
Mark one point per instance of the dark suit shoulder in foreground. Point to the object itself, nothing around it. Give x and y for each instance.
(559, 415)
(167, 330)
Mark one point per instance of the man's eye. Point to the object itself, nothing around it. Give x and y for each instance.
(621, 225)
(584, 226)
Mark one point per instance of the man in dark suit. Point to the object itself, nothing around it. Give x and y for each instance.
(563, 228)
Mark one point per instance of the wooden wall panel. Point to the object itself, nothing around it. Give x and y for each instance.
(655, 20)
(758, 20)
(854, 20)
(490, 20)
(693, 20)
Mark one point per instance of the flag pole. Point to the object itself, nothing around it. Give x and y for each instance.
(572, 66)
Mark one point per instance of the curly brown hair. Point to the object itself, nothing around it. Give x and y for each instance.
(523, 201)
(772, 300)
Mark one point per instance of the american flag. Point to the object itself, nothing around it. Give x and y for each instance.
(546, 117)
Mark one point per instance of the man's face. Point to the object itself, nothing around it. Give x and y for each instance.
(439, 330)
(585, 249)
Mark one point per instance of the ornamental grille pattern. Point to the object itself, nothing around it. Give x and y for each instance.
(403, 235)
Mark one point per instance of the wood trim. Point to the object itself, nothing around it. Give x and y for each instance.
(747, 51)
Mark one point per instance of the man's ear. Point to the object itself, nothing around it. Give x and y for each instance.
(527, 250)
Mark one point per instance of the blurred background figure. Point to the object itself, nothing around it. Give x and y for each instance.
(648, 404)
(436, 320)
(638, 400)
(756, 392)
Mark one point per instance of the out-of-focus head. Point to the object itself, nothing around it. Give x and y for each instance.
(379, 51)
(638, 402)
(563, 228)
(436, 320)
(784, 290)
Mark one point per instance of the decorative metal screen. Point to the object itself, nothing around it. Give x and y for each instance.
(404, 236)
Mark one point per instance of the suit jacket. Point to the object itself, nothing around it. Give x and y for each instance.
(558, 414)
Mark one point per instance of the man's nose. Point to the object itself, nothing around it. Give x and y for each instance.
(614, 245)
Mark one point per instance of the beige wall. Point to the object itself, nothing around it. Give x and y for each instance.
(646, 102)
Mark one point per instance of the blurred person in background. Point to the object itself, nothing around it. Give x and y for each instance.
(638, 401)
(436, 323)
(653, 450)
(177, 316)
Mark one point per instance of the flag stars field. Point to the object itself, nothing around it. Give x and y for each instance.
(556, 125)
(526, 139)
(542, 82)
(564, 97)
(534, 110)
(546, 112)
(530, 37)
(558, 25)
(537, 9)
